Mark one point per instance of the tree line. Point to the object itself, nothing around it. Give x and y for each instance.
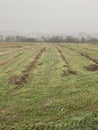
(52, 39)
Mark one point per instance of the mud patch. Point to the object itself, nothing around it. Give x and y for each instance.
(16, 80)
(40, 63)
(69, 72)
(93, 67)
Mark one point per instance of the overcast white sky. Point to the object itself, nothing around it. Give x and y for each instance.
(49, 16)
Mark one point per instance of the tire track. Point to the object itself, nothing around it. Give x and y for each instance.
(22, 79)
(69, 71)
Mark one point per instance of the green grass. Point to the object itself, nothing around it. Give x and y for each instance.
(49, 100)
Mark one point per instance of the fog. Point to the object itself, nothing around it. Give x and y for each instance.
(49, 16)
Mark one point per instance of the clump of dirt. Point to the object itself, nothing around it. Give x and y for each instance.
(64, 65)
(17, 80)
(40, 63)
(92, 67)
(69, 72)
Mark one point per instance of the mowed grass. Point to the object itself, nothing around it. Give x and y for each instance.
(50, 99)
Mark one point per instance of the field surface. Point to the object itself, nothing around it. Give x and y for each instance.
(48, 86)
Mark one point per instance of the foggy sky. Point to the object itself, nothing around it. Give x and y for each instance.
(49, 16)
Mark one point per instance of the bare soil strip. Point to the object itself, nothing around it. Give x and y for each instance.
(8, 52)
(92, 67)
(22, 79)
(69, 69)
(11, 59)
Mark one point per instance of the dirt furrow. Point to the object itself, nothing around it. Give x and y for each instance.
(84, 55)
(89, 49)
(11, 59)
(67, 65)
(8, 52)
(22, 79)
(92, 67)
(62, 56)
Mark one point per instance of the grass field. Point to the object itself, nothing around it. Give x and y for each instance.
(48, 86)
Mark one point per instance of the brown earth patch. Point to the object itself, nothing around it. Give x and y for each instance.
(93, 67)
(16, 80)
(69, 72)
(40, 63)
(22, 79)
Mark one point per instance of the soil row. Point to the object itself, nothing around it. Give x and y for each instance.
(11, 59)
(67, 65)
(8, 52)
(90, 49)
(92, 67)
(22, 79)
